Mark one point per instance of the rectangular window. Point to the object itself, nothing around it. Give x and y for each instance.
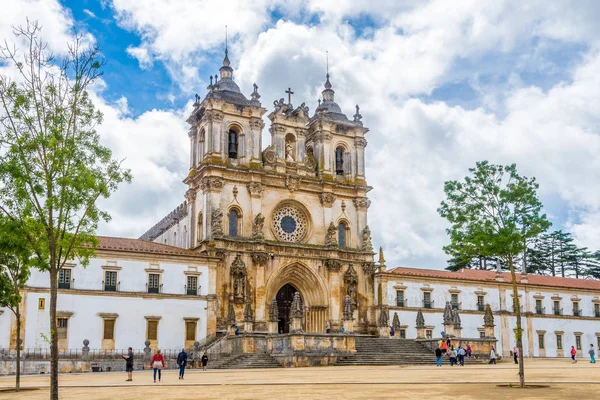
(153, 282)
(152, 333)
(426, 299)
(454, 301)
(576, 311)
(556, 307)
(538, 307)
(597, 310)
(482, 334)
(578, 342)
(559, 342)
(109, 329)
(400, 298)
(64, 278)
(192, 285)
(429, 334)
(402, 333)
(62, 326)
(110, 281)
(541, 340)
(480, 303)
(190, 330)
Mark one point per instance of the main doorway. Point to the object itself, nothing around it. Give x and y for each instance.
(284, 304)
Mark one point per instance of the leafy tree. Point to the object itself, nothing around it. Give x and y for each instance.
(496, 211)
(53, 168)
(16, 258)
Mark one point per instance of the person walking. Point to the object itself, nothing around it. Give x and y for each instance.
(129, 364)
(573, 354)
(204, 360)
(469, 351)
(157, 363)
(392, 331)
(592, 353)
(516, 355)
(461, 356)
(444, 347)
(438, 357)
(492, 356)
(452, 356)
(182, 362)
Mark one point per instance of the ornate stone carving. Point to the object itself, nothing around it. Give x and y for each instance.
(296, 309)
(231, 314)
(248, 313)
(362, 203)
(330, 237)
(333, 265)
(327, 199)
(257, 227)
(351, 281)
(448, 316)
(274, 311)
(369, 268)
(420, 320)
(255, 189)
(190, 195)
(396, 321)
(216, 223)
(217, 116)
(238, 277)
(289, 153)
(260, 258)
(292, 182)
(488, 317)
(348, 311)
(212, 184)
(456, 319)
(310, 162)
(383, 316)
(256, 124)
(366, 239)
(290, 223)
(269, 156)
(360, 142)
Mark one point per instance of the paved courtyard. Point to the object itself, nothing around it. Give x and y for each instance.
(566, 381)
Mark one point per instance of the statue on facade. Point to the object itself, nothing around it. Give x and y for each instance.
(289, 153)
(366, 239)
(456, 320)
(257, 227)
(448, 315)
(351, 281)
(238, 275)
(348, 311)
(217, 223)
(330, 239)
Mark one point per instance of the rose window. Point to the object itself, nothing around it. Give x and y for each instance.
(290, 224)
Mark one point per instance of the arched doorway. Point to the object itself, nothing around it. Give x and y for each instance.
(284, 304)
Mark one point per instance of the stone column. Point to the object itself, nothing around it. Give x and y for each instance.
(273, 317)
(420, 325)
(333, 266)
(259, 259)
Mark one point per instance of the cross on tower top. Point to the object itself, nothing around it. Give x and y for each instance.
(289, 93)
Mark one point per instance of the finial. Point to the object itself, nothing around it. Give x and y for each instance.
(381, 259)
(225, 39)
(226, 61)
(327, 58)
(357, 116)
(216, 78)
(255, 95)
(319, 102)
(211, 80)
(327, 83)
(289, 93)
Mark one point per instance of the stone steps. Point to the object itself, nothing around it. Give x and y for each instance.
(388, 351)
(247, 361)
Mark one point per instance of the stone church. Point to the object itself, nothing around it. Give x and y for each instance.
(291, 217)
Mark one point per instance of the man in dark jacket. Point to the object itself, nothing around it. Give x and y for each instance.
(181, 362)
(129, 364)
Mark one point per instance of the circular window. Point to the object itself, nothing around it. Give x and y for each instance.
(290, 223)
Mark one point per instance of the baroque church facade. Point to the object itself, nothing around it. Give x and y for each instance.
(291, 217)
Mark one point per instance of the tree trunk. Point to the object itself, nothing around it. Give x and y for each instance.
(53, 330)
(519, 331)
(18, 372)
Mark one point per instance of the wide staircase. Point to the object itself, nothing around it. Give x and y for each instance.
(244, 361)
(386, 351)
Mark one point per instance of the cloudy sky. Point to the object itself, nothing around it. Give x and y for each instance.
(441, 84)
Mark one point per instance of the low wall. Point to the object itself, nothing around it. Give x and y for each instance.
(307, 350)
(37, 367)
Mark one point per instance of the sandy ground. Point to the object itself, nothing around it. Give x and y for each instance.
(565, 381)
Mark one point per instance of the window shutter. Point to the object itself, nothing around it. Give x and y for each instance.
(109, 329)
(190, 330)
(152, 330)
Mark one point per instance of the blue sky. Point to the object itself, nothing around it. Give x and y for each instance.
(440, 84)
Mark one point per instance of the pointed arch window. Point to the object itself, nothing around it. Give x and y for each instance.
(339, 161)
(233, 223)
(232, 144)
(342, 237)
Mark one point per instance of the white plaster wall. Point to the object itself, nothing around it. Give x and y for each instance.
(132, 275)
(5, 320)
(130, 326)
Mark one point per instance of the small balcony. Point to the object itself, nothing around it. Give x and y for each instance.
(456, 306)
(64, 285)
(192, 291)
(400, 303)
(558, 311)
(154, 289)
(480, 307)
(540, 310)
(428, 304)
(576, 312)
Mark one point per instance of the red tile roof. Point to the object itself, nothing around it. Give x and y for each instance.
(141, 246)
(490, 276)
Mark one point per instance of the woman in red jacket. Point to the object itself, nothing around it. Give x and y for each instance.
(158, 363)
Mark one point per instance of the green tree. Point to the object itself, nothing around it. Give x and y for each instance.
(16, 259)
(53, 168)
(497, 211)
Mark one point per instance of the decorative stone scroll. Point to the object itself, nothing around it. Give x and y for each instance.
(255, 189)
(259, 258)
(332, 265)
(362, 203)
(212, 184)
(269, 156)
(292, 182)
(327, 199)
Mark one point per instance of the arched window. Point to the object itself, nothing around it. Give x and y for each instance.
(232, 144)
(233, 223)
(339, 161)
(342, 234)
(200, 233)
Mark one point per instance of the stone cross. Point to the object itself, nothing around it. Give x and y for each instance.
(289, 93)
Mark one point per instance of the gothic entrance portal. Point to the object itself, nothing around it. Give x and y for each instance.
(284, 304)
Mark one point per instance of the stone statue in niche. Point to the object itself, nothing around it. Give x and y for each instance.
(238, 275)
(289, 153)
(257, 227)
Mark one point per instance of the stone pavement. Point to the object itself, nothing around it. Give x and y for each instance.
(566, 380)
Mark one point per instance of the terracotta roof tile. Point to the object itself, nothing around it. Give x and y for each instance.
(141, 246)
(490, 276)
